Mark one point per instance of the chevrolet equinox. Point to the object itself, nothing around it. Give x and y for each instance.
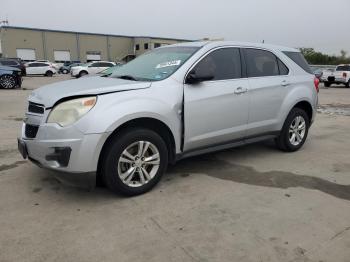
(168, 104)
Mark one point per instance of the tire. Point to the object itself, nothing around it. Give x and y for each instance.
(347, 84)
(117, 163)
(82, 73)
(8, 82)
(327, 84)
(49, 73)
(284, 140)
(65, 71)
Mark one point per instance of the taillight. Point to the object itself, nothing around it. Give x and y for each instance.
(345, 75)
(317, 82)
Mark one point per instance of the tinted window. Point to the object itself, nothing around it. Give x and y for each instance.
(33, 65)
(106, 64)
(299, 59)
(42, 64)
(343, 68)
(9, 63)
(96, 65)
(283, 68)
(224, 63)
(261, 63)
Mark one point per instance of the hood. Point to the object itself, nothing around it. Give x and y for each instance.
(48, 95)
(8, 68)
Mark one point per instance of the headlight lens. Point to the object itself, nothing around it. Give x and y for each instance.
(67, 113)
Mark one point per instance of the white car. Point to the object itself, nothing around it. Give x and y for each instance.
(91, 68)
(40, 68)
(56, 66)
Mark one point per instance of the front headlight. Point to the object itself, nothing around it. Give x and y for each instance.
(67, 113)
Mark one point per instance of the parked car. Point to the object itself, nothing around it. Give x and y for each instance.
(10, 77)
(110, 70)
(90, 68)
(318, 73)
(65, 68)
(168, 104)
(54, 65)
(13, 63)
(40, 68)
(341, 75)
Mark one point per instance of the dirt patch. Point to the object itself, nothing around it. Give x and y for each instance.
(334, 109)
(14, 165)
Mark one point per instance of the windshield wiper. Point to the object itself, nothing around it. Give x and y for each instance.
(127, 77)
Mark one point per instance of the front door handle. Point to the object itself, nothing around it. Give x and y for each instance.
(240, 90)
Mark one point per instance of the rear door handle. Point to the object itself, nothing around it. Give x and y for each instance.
(285, 83)
(240, 90)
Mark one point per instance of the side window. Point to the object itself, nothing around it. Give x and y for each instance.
(261, 63)
(33, 65)
(224, 63)
(282, 68)
(42, 64)
(96, 65)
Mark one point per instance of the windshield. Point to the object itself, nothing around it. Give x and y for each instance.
(155, 65)
(343, 68)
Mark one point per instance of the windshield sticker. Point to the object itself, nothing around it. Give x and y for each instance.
(168, 64)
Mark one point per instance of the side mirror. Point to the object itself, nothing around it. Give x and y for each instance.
(195, 77)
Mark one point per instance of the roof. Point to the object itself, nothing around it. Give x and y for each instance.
(214, 44)
(87, 33)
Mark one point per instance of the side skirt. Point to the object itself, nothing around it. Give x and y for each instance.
(230, 144)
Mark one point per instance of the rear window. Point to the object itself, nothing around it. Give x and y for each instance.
(343, 68)
(299, 59)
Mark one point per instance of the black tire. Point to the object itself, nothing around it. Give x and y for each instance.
(82, 73)
(49, 73)
(113, 152)
(283, 140)
(8, 81)
(327, 84)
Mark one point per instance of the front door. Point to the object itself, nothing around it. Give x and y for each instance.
(216, 111)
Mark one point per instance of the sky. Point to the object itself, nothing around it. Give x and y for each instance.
(294, 23)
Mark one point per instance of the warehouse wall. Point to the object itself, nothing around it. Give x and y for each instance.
(119, 47)
(21, 38)
(88, 43)
(55, 41)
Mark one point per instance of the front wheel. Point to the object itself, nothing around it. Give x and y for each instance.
(8, 82)
(134, 161)
(65, 71)
(294, 131)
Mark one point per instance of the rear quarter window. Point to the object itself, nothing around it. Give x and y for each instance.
(300, 60)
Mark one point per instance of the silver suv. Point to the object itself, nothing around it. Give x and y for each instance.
(168, 104)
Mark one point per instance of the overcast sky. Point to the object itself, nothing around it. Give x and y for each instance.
(295, 23)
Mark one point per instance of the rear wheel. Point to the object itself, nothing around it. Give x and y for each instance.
(134, 161)
(294, 132)
(82, 73)
(8, 82)
(327, 84)
(49, 73)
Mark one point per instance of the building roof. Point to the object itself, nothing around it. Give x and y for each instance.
(87, 33)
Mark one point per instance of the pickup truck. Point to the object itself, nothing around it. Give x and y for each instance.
(341, 75)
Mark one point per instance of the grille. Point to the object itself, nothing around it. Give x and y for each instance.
(36, 108)
(31, 131)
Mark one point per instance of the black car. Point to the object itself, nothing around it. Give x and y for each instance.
(12, 62)
(10, 77)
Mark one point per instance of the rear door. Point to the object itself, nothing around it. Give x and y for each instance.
(269, 83)
(94, 68)
(32, 68)
(216, 111)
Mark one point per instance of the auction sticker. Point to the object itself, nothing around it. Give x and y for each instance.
(168, 64)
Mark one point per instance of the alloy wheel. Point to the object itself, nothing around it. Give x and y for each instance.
(297, 130)
(138, 163)
(8, 82)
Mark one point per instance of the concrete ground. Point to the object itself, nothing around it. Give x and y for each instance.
(252, 203)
